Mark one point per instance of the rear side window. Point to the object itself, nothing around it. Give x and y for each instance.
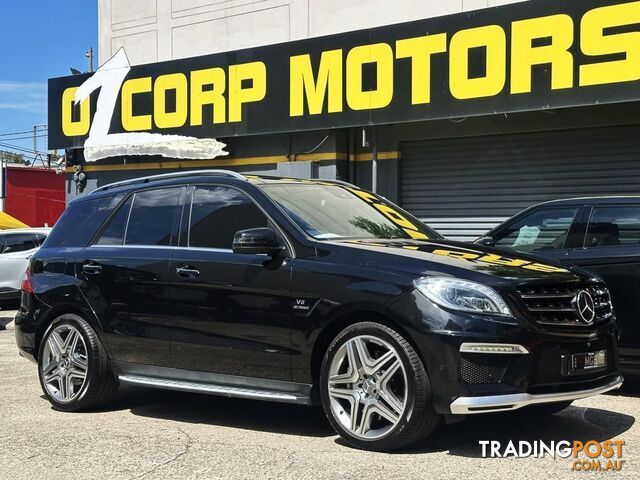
(152, 216)
(217, 213)
(612, 226)
(545, 229)
(146, 218)
(80, 222)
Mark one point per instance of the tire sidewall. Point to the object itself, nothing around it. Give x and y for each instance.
(92, 359)
(379, 331)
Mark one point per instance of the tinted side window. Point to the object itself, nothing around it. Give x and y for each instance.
(20, 242)
(80, 221)
(39, 238)
(610, 226)
(217, 213)
(114, 233)
(152, 215)
(543, 229)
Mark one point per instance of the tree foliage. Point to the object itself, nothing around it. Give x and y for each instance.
(11, 157)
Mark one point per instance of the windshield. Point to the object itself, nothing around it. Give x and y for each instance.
(327, 211)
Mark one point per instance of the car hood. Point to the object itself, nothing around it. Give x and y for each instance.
(470, 261)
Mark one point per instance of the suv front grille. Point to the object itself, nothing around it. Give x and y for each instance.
(556, 305)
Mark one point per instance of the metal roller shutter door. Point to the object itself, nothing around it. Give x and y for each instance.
(464, 186)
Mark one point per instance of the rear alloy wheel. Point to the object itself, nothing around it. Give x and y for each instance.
(375, 389)
(64, 363)
(73, 366)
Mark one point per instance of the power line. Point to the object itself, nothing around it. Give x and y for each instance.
(23, 138)
(21, 149)
(21, 133)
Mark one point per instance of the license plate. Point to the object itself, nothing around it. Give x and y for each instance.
(588, 361)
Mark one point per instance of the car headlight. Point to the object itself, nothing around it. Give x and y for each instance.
(462, 295)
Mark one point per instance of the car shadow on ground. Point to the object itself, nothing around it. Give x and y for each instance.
(461, 439)
(574, 423)
(221, 411)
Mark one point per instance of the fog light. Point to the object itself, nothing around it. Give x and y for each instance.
(493, 348)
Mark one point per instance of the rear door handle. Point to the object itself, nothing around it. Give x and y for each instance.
(188, 272)
(92, 269)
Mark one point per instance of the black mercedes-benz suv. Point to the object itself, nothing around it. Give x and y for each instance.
(305, 291)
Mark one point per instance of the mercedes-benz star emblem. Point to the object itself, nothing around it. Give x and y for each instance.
(585, 306)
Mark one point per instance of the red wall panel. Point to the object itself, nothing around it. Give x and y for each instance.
(35, 196)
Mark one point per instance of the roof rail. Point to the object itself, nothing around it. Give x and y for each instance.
(337, 182)
(164, 176)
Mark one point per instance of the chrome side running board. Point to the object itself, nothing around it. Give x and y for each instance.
(212, 389)
(503, 403)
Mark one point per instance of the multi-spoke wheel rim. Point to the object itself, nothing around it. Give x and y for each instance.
(64, 363)
(367, 387)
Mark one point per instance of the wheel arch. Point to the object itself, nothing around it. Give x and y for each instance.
(343, 320)
(62, 309)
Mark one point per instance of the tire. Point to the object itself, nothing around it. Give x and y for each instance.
(391, 398)
(70, 348)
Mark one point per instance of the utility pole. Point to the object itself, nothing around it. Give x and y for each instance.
(89, 55)
(3, 184)
(35, 138)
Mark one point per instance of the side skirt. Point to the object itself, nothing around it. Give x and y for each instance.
(212, 383)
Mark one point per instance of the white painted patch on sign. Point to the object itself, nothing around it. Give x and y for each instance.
(101, 144)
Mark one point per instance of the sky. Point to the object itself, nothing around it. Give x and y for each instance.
(39, 39)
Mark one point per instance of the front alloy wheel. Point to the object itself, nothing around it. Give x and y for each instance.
(375, 389)
(367, 387)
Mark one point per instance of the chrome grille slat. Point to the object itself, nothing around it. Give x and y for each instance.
(568, 295)
(554, 305)
(550, 309)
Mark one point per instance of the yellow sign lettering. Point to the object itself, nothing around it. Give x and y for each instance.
(303, 84)
(493, 39)
(558, 30)
(381, 55)
(131, 122)
(163, 84)
(420, 50)
(256, 72)
(70, 127)
(217, 79)
(594, 42)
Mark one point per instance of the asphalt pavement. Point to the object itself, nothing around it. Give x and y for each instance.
(154, 434)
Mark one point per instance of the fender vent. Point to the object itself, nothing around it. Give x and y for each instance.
(483, 369)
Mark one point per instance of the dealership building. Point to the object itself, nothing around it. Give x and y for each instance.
(463, 112)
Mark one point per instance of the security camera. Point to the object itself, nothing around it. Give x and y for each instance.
(61, 161)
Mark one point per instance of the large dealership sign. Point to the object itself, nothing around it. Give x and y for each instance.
(526, 56)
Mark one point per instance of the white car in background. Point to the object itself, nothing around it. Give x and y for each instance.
(16, 248)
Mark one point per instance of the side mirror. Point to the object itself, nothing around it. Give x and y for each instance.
(488, 241)
(257, 241)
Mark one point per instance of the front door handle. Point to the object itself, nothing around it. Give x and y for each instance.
(92, 269)
(188, 272)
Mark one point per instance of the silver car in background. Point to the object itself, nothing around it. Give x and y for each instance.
(16, 248)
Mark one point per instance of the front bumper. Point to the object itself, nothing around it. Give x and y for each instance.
(464, 380)
(503, 403)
